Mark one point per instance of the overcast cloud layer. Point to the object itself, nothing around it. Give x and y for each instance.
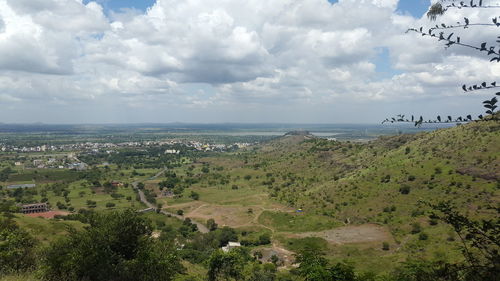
(63, 61)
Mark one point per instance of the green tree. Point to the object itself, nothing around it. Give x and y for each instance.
(225, 235)
(194, 195)
(116, 246)
(258, 272)
(312, 265)
(225, 266)
(211, 224)
(17, 248)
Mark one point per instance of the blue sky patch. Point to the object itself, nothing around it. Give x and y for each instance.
(416, 8)
(383, 64)
(117, 5)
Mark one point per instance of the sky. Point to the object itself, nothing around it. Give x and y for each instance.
(217, 61)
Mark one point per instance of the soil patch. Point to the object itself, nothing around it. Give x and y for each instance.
(232, 216)
(286, 258)
(47, 215)
(351, 234)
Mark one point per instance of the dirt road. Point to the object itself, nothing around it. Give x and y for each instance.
(201, 227)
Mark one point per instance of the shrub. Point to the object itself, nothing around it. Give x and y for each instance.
(265, 239)
(405, 189)
(423, 236)
(415, 228)
(194, 195)
(385, 246)
(433, 221)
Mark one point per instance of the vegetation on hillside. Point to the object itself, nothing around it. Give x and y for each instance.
(425, 205)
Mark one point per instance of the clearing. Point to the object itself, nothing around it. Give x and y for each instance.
(364, 233)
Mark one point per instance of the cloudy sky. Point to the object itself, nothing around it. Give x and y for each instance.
(296, 61)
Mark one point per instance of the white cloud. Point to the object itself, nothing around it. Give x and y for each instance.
(209, 54)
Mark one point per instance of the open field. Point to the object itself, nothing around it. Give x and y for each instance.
(364, 233)
(46, 230)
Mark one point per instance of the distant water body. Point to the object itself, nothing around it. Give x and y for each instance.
(256, 133)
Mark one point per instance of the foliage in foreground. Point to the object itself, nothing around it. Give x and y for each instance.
(17, 248)
(116, 246)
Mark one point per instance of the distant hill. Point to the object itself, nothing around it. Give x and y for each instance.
(298, 133)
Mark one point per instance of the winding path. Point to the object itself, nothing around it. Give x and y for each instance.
(201, 227)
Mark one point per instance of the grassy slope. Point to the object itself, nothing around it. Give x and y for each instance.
(346, 182)
(46, 230)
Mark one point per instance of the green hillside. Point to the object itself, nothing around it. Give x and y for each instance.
(384, 182)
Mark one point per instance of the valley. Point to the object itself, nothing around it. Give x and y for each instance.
(352, 200)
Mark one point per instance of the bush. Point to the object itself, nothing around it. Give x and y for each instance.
(211, 224)
(405, 189)
(385, 246)
(194, 195)
(423, 236)
(265, 239)
(416, 228)
(110, 205)
(180, 212)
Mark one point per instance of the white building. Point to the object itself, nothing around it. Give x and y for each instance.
(230, 246)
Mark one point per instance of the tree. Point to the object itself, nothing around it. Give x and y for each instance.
(448, 33)
(258, 272)
(265, 239)
(224, 266)
(225, 235)
(158, 207)
(312, 265)
(17, 248)
(194, 195)
(116, 246)
(211, 224)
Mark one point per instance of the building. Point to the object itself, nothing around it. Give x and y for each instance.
(116, 184)
(167, 193)
(230, 246)
(34, 208)
(21, 185)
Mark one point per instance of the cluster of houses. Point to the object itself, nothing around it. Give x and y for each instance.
(70, 162)
(96, 147)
